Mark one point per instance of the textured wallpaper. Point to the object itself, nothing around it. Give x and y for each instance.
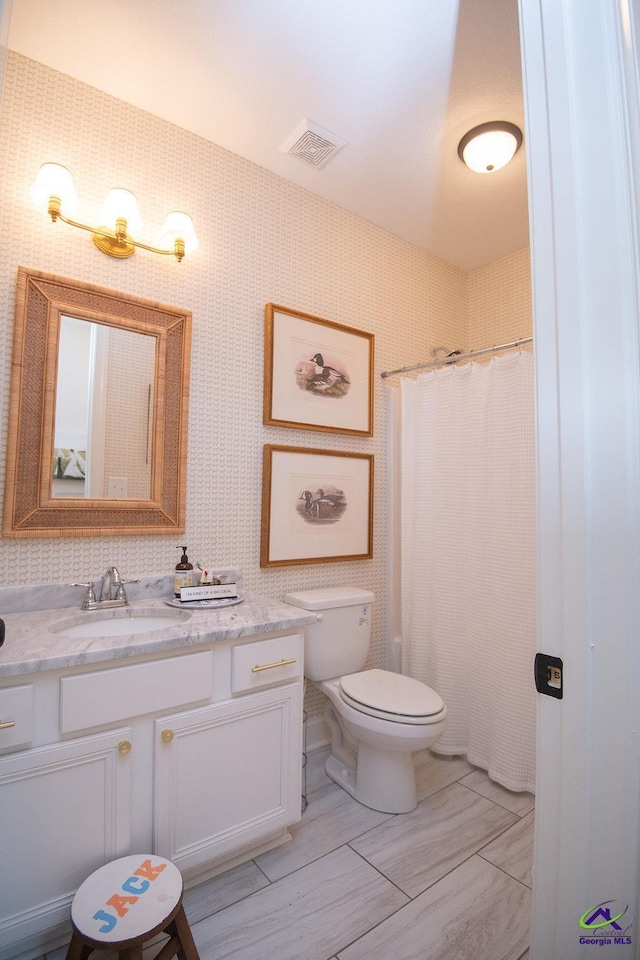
(499, 301)
(261, 239)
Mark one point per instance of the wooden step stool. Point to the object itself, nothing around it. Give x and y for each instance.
(124, 904)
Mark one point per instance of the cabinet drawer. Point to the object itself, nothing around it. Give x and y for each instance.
(16, 716)
(110, 696)
(266, 662)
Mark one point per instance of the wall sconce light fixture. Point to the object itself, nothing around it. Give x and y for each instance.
(54, 191)
(490, 146)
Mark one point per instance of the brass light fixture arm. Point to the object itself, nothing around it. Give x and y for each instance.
(115, 243)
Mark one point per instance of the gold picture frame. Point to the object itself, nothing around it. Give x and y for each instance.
(317, 506)
(318, 374)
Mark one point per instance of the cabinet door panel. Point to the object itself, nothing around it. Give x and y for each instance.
(16, 707)
(64, 810)
(228, 776)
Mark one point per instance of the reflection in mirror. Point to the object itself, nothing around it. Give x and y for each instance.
(104, 412)
(97, 440)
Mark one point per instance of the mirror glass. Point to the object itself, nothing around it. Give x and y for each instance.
(98, 411)
(104, 412)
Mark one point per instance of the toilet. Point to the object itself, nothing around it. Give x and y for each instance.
(377, 718)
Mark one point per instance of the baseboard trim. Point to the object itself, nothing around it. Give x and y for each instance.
(317, 734)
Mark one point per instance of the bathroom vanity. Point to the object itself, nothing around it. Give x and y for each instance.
(183, 740)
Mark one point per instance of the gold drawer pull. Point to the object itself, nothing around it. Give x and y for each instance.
(5, 724)
(124, 747)
(269, 666)
(167, 736)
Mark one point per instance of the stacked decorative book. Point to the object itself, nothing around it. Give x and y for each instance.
(208, 591)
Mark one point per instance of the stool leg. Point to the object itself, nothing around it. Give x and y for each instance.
(78, 950)
(131, 953)
(188, 949)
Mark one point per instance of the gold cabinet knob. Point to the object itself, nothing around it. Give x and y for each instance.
(124, 747)
(166, 736)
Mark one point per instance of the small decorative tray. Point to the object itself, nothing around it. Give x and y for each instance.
(204, 604)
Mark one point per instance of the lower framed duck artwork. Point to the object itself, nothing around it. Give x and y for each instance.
(317, 506)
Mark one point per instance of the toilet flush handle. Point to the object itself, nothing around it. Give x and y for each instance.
(319, 617)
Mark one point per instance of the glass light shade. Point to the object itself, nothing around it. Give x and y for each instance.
(55, 180)
(121, 203)
(179, 226)
(490, 147)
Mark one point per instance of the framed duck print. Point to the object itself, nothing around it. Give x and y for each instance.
(317, 506)
(318, 375)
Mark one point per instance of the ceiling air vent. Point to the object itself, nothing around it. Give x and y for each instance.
(312, 143)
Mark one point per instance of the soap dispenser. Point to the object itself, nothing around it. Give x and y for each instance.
(182, 576)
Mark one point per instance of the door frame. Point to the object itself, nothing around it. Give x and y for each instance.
(580, 71)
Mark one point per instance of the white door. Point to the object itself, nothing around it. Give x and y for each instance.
(580, 60)
(96, 469)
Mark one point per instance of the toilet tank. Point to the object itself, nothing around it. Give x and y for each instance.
(338, 643)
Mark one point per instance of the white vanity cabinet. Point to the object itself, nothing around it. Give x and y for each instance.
(194, 755)
(228, 775)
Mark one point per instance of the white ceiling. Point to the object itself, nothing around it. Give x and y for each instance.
(400, 80)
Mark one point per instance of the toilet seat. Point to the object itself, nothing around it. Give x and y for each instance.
(392, 696)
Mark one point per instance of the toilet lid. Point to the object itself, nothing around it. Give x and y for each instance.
(388, 692)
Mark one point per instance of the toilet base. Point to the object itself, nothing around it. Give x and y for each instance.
(382, 780)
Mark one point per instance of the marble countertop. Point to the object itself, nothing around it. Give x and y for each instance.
(32, 644)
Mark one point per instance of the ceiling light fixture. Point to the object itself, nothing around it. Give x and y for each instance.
(54, 191)
(490, 146)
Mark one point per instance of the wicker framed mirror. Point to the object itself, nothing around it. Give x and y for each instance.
(111, 459)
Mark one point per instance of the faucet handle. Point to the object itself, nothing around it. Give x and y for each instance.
(121, 593)
(89, 597)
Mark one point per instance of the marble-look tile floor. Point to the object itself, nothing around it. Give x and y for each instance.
(450, 880)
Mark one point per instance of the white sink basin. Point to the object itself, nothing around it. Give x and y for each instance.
(118, 623)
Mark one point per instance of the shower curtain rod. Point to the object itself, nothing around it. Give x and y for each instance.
(457, 357)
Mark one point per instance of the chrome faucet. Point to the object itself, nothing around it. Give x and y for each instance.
(112, 586)
(112, 592)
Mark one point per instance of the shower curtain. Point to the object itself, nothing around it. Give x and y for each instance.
(467, 557)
